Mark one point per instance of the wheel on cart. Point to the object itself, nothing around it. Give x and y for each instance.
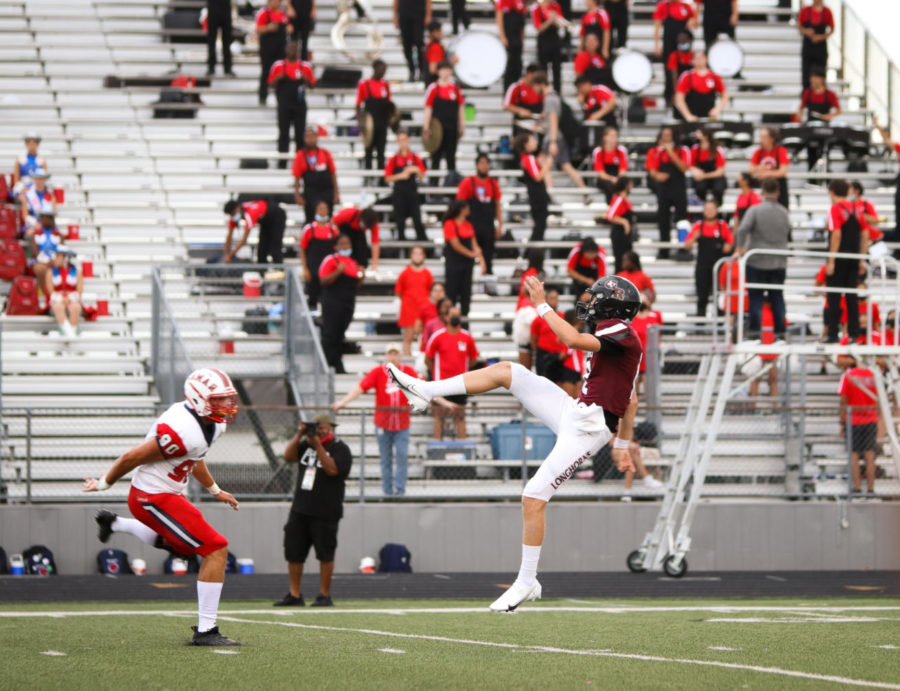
(673, 567)
(635, 562)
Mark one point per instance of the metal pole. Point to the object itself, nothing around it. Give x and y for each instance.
(848, 437)
(801, 418)
(362, 456)
(523, 422)
(28, 455)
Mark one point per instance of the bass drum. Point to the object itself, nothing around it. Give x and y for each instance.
(481, 59)
(632, 71)
(726, 57)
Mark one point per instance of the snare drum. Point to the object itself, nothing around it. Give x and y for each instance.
(632, 71)
(726, 58)
(482, 59)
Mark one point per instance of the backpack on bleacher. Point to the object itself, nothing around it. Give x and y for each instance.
(394, 558)
(12, 260)
(23, 297)
(39, 561)
(113, 562)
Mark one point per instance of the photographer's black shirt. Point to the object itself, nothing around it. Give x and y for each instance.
(326, 498)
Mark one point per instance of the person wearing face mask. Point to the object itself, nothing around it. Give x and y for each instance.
(271, 219)
(679, 61)
(354, 222)
(316, 242)
(340, 277)
(461, 249)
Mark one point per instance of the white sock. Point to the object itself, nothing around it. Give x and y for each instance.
(453, 386)
(132, 526)
(528, 570)
(207, 604)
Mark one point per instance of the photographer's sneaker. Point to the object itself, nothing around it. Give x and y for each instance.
(515, 595)
(408, 385)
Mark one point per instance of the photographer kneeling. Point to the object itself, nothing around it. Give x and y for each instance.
(318, 504)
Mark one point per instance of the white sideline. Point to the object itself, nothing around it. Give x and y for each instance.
(591, 653)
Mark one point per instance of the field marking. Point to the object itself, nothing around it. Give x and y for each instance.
(887, 647)
(53, 653)
(329, 611)
(393, 651)
(724, 648)
(799, 620)
(225, 652)
(589, 653)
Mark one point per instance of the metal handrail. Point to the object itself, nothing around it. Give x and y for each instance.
(162, 312)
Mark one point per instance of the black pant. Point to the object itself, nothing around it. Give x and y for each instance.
(897, 213)
(458, 283)
(337, 313)
(540, 209)
(302, 28)
(379, 138)
(621, 243)
(447, 150)
(459, 15)
(406, 205)
(271, 235)
(412, 33)
(618, 19)
(302, 532)
(714, 26)
(776, 300)
(486, 238)
(703, 282)
(267, 57)
(513, 65)
(669, 195)
(846, 275)
(713, 186)
(548, 55)
(292, 113)
(219, 20)
(816, 55)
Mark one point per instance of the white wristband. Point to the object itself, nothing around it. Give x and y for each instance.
(214, 489)
(102, 484)
(543, 308)
(620, 443)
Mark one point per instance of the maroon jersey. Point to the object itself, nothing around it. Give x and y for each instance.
(611, 372)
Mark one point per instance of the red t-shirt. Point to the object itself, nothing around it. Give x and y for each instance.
(351, 217)
(678, 59)
(745, 201)
(868, 209)
(251, 212)
(577, 261)
(530, 165)
(599, 96)
(840, 213)
(617, 157)
(699, 156)
(674, 9)
(388, 395)
(447, 92)
(330, 263)
(619, 206)
(770, 159)
(317, 231)
(428, 312)
(398, 162)
(432, 326)
(658, 156)
(598, 17)
(435, 53)
(295, 71)
(520, 6)
(692, 80)
(524, 300)
(312, 159)
(863, 309)
(413, 288)
(372, 88)
(540, 13)
(483, 189)
(547, 339)
(811, 98)
(584, 60)
(641, 323)
(452, 353)
(452, 229)
(711, 230)
(266, 16)
(641, 280)
(858, 385)
(522, 94)
(811, 15)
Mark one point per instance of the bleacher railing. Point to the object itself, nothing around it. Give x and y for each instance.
(311, 379)
(170, 362)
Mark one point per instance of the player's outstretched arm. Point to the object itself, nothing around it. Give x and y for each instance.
(567, 333)
(205, 478)
(620, 453)
(148, 452)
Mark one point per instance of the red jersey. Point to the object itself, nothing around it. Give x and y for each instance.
(266, 16)
(598, 17)
(658, 156)
(317, 231)
(447, 92)
(482, 189)
(771, 159)
(678, 59)
(819, 100)
(399, 161)
(251, 212)
(372, 88)
(524, 300)
(349, 219)
(641, 280)
(461, 231)
(541, 13)
(308, 160)
(619, 206)
(295, 71)
(745, 201)
(858, 386)
(599, 96)
(692, 80)
(388, 395)
(547, 340)
(617, 157)
(575, 361)
(729, 280)
(452, 353)
(716, 229)
(435, 53)
(612, 371)
(641, 323)
(840, 213)
(578, 262)
(427, 312)
(413, 288)
(530, 165)
(866, 208)
(331, 262)
(673, 9)
(815, 17)
(522, 94)
(506, 6)
(699, 156)
(585, 60)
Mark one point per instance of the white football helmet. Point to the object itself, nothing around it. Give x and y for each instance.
(210, 393)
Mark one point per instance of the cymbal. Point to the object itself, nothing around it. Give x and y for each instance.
(436, 135)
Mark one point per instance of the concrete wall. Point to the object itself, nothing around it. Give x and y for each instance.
(486, 537)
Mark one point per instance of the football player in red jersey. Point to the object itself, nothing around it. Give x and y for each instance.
(606, 405)
(173, 450)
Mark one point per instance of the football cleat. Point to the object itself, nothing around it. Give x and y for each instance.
(408, 386)
(211, 637)
(104, 521)
(515, 595)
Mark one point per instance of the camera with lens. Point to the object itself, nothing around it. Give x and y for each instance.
(310, 429)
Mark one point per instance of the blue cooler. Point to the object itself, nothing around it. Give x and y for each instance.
(506, 441)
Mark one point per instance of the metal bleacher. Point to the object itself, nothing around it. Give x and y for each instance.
(143, 190)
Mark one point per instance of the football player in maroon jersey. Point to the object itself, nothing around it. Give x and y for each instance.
(606, 404)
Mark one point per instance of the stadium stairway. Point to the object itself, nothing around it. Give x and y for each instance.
(144, 191)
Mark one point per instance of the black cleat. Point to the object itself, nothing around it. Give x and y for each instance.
(211, 637)
(104, 520)
(290, 601)
(322, 601)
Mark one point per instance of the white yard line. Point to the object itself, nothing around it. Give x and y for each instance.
(589, 653)
(799, 620)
